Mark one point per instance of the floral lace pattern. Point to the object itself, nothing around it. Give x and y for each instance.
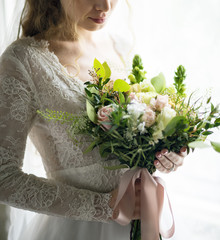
(78, 186)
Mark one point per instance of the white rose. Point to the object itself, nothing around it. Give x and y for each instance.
(166, 115)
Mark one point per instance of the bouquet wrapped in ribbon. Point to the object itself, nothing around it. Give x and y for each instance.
(133, 119)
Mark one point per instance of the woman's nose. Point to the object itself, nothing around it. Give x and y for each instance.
(103, 5)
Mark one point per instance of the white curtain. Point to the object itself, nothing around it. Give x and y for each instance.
(10, 11)
(170, 33)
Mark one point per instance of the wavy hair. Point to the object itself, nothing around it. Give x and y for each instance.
(48, 18)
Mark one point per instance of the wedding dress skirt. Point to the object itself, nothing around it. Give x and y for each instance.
(43, 227)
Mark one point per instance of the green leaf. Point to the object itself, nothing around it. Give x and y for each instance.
(91, 147)
(106, 81)
(216, 146)
(208, 101)
(121, 86)
(198, 144)
(93, 91)
(122, 98)
(159, 83)
(107, 70)
(105, 149)
(206, 133)
(91, 112)
(217, 120)
(178, 122)
(100, 70)
(89, 94)
(212, 107)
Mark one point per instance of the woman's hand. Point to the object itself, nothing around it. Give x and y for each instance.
(169, 161)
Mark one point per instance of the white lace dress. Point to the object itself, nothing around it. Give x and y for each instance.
(72, 203)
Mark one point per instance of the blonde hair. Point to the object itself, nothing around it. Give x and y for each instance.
(48, 18)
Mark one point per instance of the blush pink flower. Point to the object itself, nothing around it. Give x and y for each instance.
(133, 96)
(153, 103)
(161, 102)
(149, 117)
(103, 116)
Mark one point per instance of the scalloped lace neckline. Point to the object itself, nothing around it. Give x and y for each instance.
(43, 43)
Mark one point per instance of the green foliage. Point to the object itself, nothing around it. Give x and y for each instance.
(99, 68)
(121, 86)
(216, 146)
(138, 74)
(176, 125)
(179, 79)
(57, 116)
(159, 83)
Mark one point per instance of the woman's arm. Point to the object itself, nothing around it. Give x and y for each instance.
(17, 112)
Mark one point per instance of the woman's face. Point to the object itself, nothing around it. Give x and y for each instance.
(90, 15)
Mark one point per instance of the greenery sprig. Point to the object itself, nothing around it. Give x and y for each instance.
(179, 78)
(138, 73)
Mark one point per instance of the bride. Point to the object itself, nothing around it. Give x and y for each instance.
(46, 68)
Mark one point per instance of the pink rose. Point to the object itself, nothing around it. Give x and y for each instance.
(149, 117)
(103, 116)
(161, 102)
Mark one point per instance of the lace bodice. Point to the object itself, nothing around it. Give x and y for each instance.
(31, 79)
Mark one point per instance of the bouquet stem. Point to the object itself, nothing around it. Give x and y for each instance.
(135, 233)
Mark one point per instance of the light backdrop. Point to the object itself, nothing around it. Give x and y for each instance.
(169, 33)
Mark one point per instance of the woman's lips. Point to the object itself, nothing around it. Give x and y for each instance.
(98, 20)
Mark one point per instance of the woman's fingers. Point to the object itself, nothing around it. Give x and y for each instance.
(163, 163)
(163, 169)
(169, 161)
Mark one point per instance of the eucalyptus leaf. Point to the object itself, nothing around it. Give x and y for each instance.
(198, 144)
(178, 122)
(100, 70)
(159, 83)
(122, 98)
(216, 146)
(91, 112)
(121, 86)
(107, 70)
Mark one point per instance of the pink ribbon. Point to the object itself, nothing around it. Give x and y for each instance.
(152, 197)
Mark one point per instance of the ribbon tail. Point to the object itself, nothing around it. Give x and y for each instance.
(161, 192)
(125, 202)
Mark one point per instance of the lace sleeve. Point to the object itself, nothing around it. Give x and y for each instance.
(18, 189)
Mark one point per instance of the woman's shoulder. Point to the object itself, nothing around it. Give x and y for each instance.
(22, 48)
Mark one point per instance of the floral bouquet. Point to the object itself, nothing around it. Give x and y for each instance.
(133, 119)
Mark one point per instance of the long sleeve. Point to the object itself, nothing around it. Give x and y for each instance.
(18, 189)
